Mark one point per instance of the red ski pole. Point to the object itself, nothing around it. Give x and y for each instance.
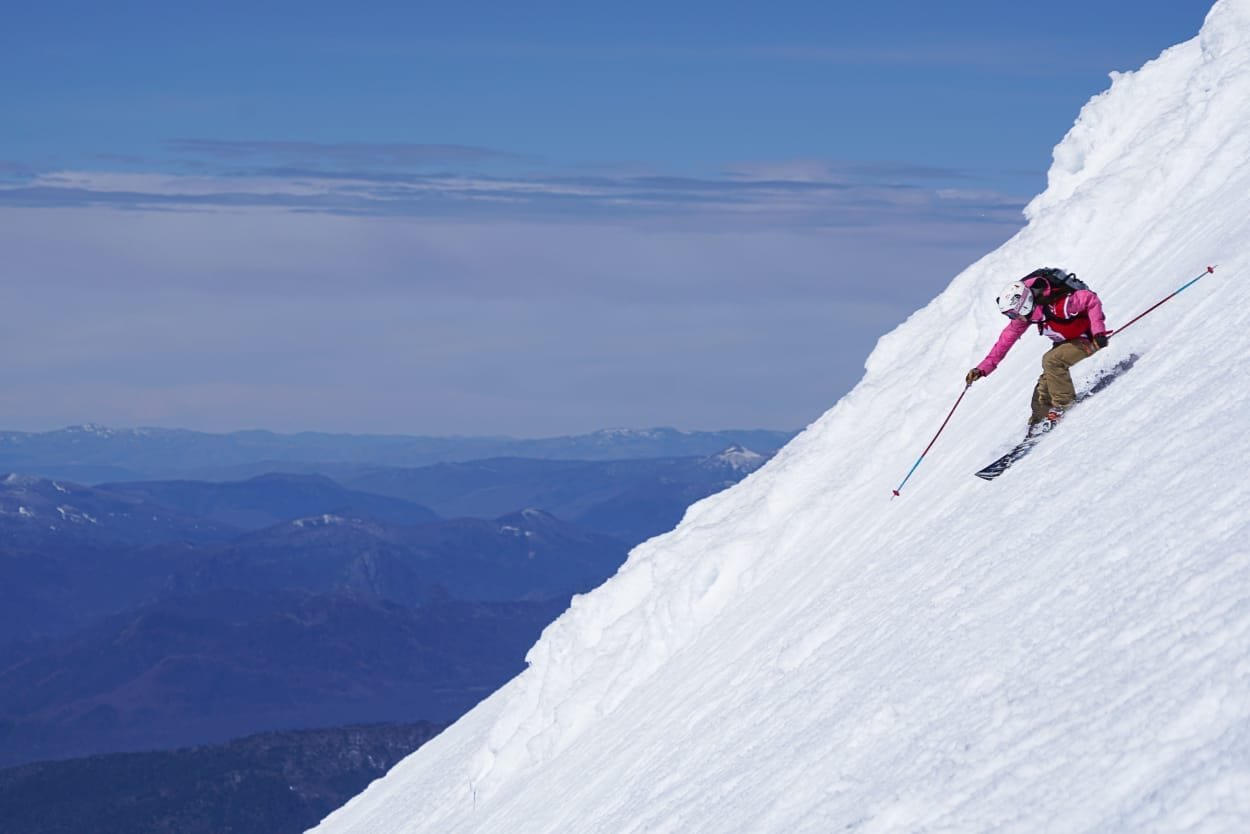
(1176, 292)
(934, 440)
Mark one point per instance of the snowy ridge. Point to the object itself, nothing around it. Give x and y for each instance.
(324, 520)
(740, 459)
(1064, 649)
(15, 479)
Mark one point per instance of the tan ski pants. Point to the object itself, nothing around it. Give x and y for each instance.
(1054, 386)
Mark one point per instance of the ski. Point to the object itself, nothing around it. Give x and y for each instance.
(999, 466)
(1100, 381)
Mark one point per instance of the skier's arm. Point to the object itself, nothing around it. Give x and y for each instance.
(1085, 301)
(1010, 335)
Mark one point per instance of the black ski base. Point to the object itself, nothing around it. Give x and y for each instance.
(1101, 381)
(999, 466)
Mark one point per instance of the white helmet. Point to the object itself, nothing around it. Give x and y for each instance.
(1016, 301)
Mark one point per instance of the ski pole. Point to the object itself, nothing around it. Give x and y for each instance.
(1176, 292)
(934, 440)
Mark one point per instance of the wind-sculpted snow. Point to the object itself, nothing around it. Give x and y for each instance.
(1066, 648)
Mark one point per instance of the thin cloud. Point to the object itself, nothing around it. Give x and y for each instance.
(825, 171)
(776, 193)
(384, 154)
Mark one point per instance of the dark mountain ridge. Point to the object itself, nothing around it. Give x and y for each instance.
(271, 783)
(269, 499)
(92, 454)
(631, 499)
(526, 555)
(215, 666)
(33, 507)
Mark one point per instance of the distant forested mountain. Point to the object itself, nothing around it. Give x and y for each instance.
(630, 499)
(142, 615)
(265, 500)
(72, 554)
(273, 783)
(216, 666)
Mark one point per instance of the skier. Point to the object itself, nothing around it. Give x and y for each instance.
(1066, 311)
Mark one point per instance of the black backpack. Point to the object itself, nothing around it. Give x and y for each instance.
(1060, 283)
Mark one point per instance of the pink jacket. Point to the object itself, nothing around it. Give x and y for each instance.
(1074, 316)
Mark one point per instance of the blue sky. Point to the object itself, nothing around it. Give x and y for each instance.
(510, 218)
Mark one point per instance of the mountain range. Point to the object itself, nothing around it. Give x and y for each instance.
(145, 614)
(93, 454)
(69, 553)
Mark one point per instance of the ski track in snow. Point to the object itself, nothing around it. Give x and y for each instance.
(1064, 649)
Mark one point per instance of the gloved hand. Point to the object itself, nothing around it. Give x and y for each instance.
(974, 375)
(1100, 340)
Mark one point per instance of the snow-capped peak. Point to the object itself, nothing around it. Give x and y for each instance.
(92, 429)
(14, 479)
(740, 459)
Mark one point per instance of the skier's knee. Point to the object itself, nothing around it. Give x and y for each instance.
(1052, 363)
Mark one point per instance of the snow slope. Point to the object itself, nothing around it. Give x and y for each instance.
(1064, 649)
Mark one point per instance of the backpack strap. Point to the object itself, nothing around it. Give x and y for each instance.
(1051, 316)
